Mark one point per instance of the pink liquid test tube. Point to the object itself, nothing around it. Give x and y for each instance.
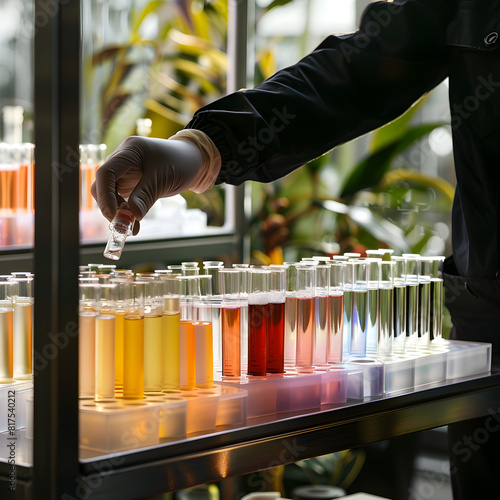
(322, 315)
(336, 298)
(305, 318)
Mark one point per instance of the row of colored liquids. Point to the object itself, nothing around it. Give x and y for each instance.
(17, 190)
(16, 327)
(175, 329)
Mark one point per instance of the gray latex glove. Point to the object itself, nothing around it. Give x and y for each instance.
(144, 169)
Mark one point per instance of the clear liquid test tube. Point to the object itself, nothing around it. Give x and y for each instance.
(425, 267)
(336, 298)
(400, 302)
(437, 300)
(357, 296)
(304, 296)
(412, 302)
(8, 289)
(372, 331)
(231, 322)
(120, 229)
(386, 309)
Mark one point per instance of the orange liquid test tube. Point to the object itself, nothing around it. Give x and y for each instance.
(7, 289)
(231, 322)
(89, 297)
(133, 345)
(171, 333)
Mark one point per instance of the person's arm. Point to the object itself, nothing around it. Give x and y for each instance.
(348, 86)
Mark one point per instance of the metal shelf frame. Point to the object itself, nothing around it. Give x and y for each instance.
(57, 472)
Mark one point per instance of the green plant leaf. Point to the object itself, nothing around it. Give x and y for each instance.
(395, 129)
(371, 169)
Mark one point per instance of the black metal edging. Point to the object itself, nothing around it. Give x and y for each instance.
(258, 447)
(57, 75)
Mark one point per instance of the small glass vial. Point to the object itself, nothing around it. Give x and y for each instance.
(120, 227)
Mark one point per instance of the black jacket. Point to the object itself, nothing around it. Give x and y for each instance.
(355, 83)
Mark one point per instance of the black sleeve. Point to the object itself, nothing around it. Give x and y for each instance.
(348, 86)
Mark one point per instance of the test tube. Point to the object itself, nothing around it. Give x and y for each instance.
(105, 343)
(400, 301)
(171, 331)
(336, 297)
(305, 318)
(190, 268)
(290, 349)
(190, 292)
(425, 266)
(203, 333)
(153, 336)
(133, 344)
(124, 297)
(120, 227)
(8, 290)
(91, 157)
(25, 156)
(322, 315)
(360, 311)
(373, 330)
(23, 327)
(412, 304)
(231, 322)
(9, 180)
(212, 268)
(257, 341)
(386, 308)
(436, 333)
(244, 270)
(88, 309)
(107, 269)
(275, 328)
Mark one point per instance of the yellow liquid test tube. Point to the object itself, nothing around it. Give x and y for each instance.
(105, 357)
(6, 343)
(187, 356)
(171, 351)
(86, 354)
(133, 357)
(120, 321)
(23, 338)
(153, 350)
(204, 354)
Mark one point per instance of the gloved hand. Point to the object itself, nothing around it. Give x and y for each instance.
(145, 169)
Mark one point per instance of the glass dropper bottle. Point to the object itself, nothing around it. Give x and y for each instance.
(120, 227)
